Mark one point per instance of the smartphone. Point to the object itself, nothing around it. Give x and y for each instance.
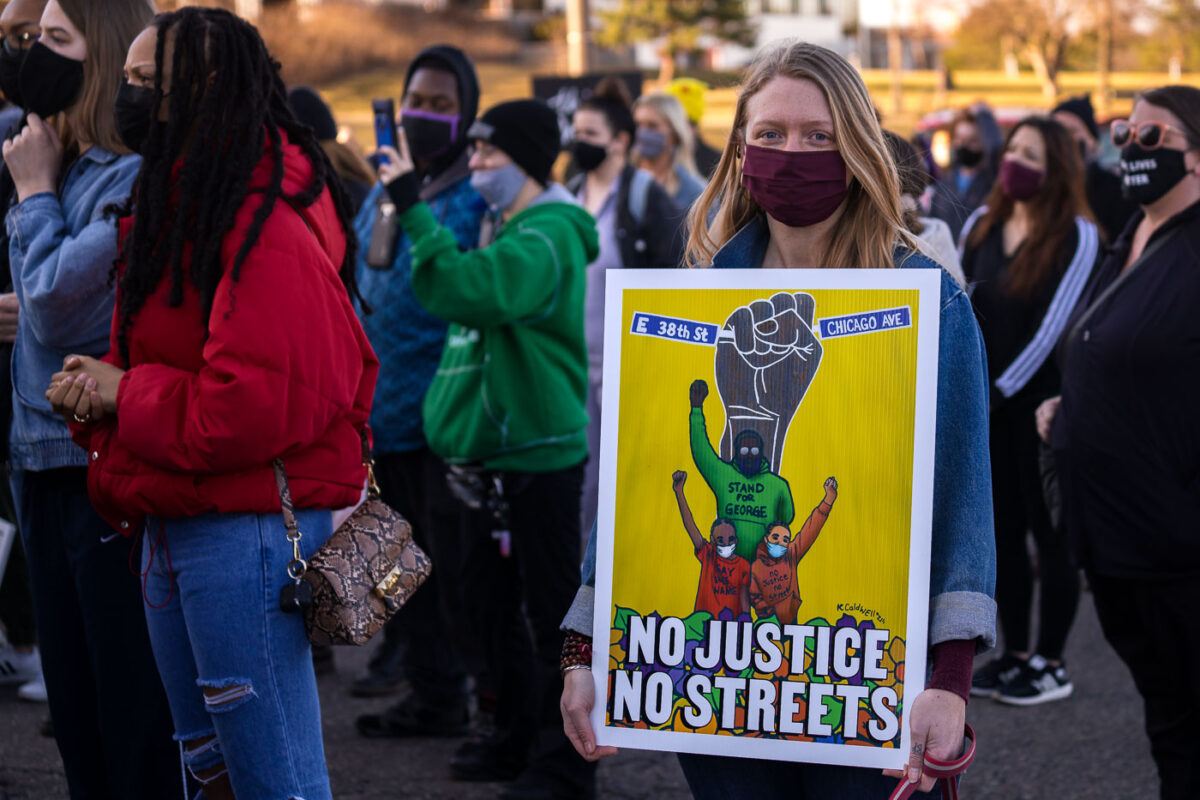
(384, 112)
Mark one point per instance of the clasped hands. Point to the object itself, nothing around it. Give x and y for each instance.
(85, 391)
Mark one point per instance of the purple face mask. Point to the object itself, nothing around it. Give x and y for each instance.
(796, 187)
(429, 135)
(1019, 181)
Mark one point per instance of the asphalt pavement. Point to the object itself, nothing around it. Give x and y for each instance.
(1088, 747)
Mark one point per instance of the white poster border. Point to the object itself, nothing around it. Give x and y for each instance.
(927, 282)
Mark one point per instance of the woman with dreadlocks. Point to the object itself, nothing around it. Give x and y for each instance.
(65, 166)
(234, 343)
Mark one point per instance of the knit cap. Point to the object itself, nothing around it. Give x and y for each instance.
(1081, 107)
(311, 110)
(526, 131)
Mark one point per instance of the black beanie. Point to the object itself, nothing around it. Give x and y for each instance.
(311, 110)
(526, 130)
(1081, 107)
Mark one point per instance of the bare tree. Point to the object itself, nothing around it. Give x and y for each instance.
(1037, 30)
(678, 25)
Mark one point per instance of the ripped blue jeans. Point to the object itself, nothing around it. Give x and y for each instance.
(234, 666)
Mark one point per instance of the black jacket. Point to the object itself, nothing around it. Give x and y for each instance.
(657, 239)
(1127, 436)
(1111, 210)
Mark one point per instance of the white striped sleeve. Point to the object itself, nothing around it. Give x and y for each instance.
(968, 225)
(1030, 360)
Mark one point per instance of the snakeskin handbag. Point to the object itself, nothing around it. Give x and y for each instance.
(360, 577)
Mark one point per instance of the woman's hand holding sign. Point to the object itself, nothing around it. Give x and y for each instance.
(578, 698)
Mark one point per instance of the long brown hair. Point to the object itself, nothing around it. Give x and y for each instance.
(1061, 198)
(871, 223)
(348, 164)
(108, 28)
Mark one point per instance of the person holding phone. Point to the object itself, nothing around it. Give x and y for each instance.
(508, 399)
(439, 103)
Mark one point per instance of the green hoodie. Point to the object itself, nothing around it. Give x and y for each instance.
(510, 390)
(750, 503)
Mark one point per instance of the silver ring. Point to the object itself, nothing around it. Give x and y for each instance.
(82, 420)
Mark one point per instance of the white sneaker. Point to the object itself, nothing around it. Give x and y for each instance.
(34, 691)
(18, 667)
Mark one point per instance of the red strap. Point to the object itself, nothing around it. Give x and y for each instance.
(945, 770)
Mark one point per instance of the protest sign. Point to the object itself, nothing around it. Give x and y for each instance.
(765, 509)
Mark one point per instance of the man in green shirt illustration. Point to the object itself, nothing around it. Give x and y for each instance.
(747, 492)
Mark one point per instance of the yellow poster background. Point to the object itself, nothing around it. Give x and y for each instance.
(856, 423)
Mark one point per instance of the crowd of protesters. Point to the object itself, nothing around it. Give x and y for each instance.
(203, 278)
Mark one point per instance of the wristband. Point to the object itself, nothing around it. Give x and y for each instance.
(576, 652)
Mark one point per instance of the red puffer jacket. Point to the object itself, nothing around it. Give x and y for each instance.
(284, 370)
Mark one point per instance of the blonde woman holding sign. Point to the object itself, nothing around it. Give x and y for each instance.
(805, 181)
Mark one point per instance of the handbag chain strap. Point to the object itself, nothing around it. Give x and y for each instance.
(297, 566)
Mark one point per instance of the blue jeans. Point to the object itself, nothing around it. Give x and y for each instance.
(212, 590)
(725, 778)
(110, 715)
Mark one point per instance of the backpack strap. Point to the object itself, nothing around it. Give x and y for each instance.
(639, 191)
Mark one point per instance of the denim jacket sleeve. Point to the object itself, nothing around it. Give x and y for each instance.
(579, 615)
(962, 575)
(60, 276)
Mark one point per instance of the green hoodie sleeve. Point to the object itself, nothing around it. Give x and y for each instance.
(787, 511)
(517, 276)
(707, 460)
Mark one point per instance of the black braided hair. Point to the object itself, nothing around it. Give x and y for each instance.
(226, 101)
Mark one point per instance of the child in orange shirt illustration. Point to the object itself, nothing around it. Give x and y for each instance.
(774, 587)
(724, 575)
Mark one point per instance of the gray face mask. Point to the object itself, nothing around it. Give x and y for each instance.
(498, 187)
(650, 144)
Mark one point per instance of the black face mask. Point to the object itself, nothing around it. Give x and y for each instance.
(967, 157)
(132, 113)
(588, 156)
(429, 135)
(10, 73)
(49, 83)
(1147, 175)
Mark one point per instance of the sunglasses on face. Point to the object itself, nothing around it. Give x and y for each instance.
(749, 451)
(1149, 135)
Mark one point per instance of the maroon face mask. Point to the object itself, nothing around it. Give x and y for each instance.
(1019, 181)
(796, 187)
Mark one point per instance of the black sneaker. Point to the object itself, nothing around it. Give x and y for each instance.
(989, 679)
(490, 759)
(1037, 683)
(410, 717)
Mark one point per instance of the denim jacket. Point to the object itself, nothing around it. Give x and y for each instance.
(962, 575)
(61, 250)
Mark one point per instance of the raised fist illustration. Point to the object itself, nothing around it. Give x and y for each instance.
(767, 356)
